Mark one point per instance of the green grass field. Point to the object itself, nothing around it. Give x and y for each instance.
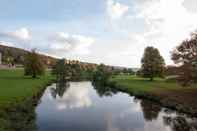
(169, 94)
(15, 87)
(137, 84)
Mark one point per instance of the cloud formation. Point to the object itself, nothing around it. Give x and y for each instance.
(116, 10)
(76, 44)
(166, 24)
(20, 34)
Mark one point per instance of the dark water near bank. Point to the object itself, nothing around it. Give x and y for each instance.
(78, 106)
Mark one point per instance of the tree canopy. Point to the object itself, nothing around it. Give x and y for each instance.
(153, 64)
(61, 70)
(33, 64)
(185, 55)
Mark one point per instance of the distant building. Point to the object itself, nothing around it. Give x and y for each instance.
(0, 58)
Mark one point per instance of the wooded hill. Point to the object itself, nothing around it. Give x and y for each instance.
(12, 55)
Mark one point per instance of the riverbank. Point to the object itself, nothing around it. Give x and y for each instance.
(15, 88)
(168, 94)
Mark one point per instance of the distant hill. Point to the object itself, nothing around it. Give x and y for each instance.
(18, 55)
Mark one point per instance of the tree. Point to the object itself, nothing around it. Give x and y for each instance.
(61, 70)
(33, 64)
(76, 71)
(101, 74)
(185, 55)
(8, 57)
(153, 64)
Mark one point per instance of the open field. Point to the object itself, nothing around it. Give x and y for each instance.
(169, 94)
(15, 87)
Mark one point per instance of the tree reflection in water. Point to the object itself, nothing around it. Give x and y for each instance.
(180, 123)
(60, 89)
(150, 110)
(177, 122)
(103, 90)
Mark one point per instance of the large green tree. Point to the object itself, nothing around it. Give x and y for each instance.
(33, 64)
(61, 70)
(101, 74)
(185, 55)
(153, 64)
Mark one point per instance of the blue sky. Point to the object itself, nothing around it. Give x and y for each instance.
(113, 32)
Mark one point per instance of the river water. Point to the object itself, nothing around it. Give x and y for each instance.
(80, 106)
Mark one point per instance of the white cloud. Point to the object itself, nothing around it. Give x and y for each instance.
(66, 43)
(20, 34)
(115, 9)
(167, 23)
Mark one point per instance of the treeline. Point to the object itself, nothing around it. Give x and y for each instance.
(76, 71)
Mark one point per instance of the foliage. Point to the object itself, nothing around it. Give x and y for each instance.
(128, 71)
(8, 57)
(33, 64)
(102, 74)
(153, 64)
(76, 71)
(87, 74)
(61, 70)
(185, 55)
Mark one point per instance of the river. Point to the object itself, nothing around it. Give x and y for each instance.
(80, 106)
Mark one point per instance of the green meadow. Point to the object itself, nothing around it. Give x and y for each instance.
(15, 87)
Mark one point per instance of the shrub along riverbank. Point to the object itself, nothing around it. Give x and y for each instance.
(168, 94)
(15, 88)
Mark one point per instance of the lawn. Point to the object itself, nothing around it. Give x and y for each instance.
(137, 84)
(15, 87)
(169, 94)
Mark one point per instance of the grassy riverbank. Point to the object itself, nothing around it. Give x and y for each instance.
(168, 94)
(15, 87)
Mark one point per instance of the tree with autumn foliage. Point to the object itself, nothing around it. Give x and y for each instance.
(185, 55)
(33, 64)
(153, 64)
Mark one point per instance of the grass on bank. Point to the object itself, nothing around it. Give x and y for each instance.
(138, 84)
(15, 87)
(167, 93)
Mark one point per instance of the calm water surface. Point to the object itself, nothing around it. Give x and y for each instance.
(78, 106)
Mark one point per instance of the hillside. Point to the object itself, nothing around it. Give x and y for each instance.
(18, 55)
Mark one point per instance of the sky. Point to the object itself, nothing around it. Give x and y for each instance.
(113, 32)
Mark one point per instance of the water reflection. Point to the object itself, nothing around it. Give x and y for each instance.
(88, 107)
(60, 89)
(180, 123)
(103, 90)
(150, 110)
(65, 97)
